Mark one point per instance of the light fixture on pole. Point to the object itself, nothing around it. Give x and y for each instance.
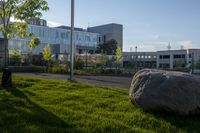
(72, 43)
(136, 57)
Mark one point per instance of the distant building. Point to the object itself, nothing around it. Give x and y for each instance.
(108, 32)
(58, 38)
(177, 58)
(168, 59)
(139, 59)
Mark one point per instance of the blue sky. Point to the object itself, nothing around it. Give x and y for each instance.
(148, 24)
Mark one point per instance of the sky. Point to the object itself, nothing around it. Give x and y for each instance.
(151, 25)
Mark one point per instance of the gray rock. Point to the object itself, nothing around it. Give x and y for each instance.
(173, 92)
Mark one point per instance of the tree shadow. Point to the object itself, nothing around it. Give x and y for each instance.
(190, 123)
(19, 114)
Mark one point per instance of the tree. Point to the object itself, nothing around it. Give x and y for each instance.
(198, 64)
(21, 10)
(118, 57)
(107, 48)
(79, 64)
(15, 56)
(103, 60)
(15, 53)
(47, 55)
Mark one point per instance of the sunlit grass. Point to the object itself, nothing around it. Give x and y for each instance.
(57, 106)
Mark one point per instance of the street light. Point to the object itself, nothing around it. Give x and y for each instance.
(136, 58)
(72, 43)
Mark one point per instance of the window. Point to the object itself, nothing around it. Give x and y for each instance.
(164, 56)
(57, 34)
(179, 56)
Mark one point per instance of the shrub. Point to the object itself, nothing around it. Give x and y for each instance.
(79, 64)
(61, 69)
(27, 68)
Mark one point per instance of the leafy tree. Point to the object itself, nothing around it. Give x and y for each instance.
(79, 64)
(15, 57)
(107, 48)
(21, 10)
(118, 56)
(198, 64)
(15, 53)
(47, 55)
(103, 60)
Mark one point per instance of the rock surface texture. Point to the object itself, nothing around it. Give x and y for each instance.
(172, 92)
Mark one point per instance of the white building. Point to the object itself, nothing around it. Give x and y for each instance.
(168, 59)
(177, 58)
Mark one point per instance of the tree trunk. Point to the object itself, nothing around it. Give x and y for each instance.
(6, 52)
(7, 74)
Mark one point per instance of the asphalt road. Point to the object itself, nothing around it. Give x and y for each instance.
(113, 81)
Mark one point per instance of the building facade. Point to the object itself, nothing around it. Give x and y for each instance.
(108, 32)
(86, 41)
(168, 59)
(139, 59)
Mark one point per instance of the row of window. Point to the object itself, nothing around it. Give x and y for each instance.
(164, 56)
(49, 34)
(168, 56)
(141, 57)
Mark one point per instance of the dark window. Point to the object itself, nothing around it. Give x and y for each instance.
(99, 39)
(179, 56)
(166, 56)
(104, 39)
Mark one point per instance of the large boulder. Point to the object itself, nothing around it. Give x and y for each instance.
(173, 92)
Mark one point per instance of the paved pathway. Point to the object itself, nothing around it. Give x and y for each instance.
(120, 82)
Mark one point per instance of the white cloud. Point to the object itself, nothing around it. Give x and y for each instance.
(155, 37)
(186, 44)
(162, 45)
(148, 46)
(53, 24)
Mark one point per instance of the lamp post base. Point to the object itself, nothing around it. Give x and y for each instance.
(6, 78)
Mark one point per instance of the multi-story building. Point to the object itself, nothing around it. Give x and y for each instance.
(171, 58)
(58, 38)
(177, 58)
(168, 59)
(109, 31)
(139, 59)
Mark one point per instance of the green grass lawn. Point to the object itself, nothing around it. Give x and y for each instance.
(57, 106)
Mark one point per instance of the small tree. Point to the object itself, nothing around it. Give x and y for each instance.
(15, 53)
(103, 60)
(47, 55)
(15, 56)
(118, 57)
(108, 47)
(79, 64)
(21, 10)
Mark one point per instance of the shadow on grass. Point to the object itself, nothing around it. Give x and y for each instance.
(19, 114)
(190, 124)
